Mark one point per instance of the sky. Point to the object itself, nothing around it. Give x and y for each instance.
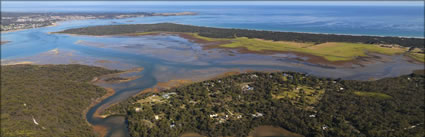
(351, 3)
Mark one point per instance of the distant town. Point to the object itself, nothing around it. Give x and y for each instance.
(11, 21)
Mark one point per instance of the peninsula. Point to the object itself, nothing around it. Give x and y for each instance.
(327, 47)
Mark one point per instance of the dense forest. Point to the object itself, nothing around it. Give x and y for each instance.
(231, 33)
(47, 100)
(307, 105)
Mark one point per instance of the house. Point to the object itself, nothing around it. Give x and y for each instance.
(258, 114)
(221, 120)
(247, 87)
(324, 127)
(167, 95)
(239, 116)
(213, 115)
(137, 109)
(312, 116)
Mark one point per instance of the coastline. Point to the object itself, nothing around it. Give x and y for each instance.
(52, 25)
(277, 31)
(316, 47)
(185, 13)
(211, 43)
(315, 33)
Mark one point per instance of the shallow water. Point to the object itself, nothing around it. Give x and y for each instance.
(164, 58)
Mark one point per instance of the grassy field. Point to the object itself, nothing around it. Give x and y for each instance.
(309, 95)
(195, 35)
(151, 99)
(331, 51)
(372, 94)
(417, 56)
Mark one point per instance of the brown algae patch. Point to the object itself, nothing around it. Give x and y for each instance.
(269, 131)
(100, 130)
(4, 42)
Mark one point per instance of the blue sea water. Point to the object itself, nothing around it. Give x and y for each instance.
(361, 18)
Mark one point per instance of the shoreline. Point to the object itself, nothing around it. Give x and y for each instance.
(51, 25)
(99, 129)
(215, 44)
(360, 60)
(301, 44)
(299, 32)
(185, 13)
(256, 30)
(315, 33)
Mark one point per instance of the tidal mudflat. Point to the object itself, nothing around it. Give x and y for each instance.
(181, 52)
(4, 42)
(67, 56)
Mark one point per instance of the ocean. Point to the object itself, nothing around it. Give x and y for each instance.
(404, 19)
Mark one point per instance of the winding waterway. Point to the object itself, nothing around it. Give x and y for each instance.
(179, 59)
